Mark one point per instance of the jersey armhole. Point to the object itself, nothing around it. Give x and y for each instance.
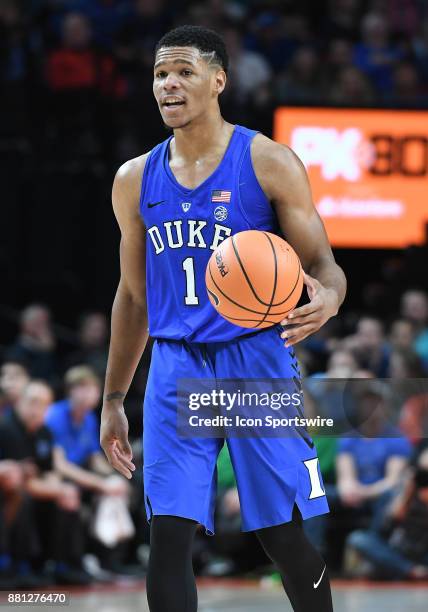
(256, 180)
(144, 180)
(252, 180)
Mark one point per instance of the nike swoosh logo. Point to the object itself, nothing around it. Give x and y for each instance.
(151, 204)
(316, 584)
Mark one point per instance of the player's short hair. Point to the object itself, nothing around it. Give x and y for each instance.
(207, 41)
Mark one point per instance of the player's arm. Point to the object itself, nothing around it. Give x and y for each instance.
(129, 317)
(284, 180)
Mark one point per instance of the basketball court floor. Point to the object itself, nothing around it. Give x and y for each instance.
(241, 596)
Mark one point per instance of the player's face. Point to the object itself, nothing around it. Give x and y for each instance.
(184, 84)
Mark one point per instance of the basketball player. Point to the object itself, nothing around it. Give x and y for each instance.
(167, 206)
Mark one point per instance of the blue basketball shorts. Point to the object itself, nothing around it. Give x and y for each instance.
(180, 474)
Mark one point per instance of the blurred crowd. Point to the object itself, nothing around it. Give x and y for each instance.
(65, 517)
(76, 80)
(76, 102)
(76, 74)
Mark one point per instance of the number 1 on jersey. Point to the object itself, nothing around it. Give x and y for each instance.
(190, 299)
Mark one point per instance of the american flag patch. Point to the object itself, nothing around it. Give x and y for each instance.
(219, 195)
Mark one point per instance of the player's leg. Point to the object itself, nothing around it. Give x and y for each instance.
(179, 470)
(179, 478)
(285, 467)
(171, 583)
(275, 474)
(303, 570)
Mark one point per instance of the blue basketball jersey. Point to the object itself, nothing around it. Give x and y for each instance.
(184, 226)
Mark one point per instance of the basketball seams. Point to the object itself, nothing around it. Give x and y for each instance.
(229, 298)
(244, 272)
(245, 307)
(275, 278)
(292, 291)
(280, 259)
(249, 281)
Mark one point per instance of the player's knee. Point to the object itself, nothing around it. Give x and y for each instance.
(172, 533)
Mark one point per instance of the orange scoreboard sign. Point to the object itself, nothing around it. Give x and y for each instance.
(368, 171)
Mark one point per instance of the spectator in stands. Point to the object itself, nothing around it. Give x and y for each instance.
(414, 418)
(342, 364)
(327, 391)
(75, 429)
(420, 48)
(78, 456)
(93, 338)
(399, 550)
(46, 508)
(14, 550)
(351, 88)
(20, 53)
(409, 393)
(370, 464)
(76, 64)
(404, 364)
(150, 19)
(84, 84)
(369, 346)
(13, 380)
(342, 19)
(106, 16)
(301, 83)
(339, 56)
(407, 89)
(403, 16)
(35, 345)
(269, 38)
(402, 334)
(249, 71)
(376, 55)
(414, 307)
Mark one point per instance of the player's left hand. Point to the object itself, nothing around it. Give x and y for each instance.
(306, 320)
(114, 438)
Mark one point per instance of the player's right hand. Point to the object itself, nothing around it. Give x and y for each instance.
(114, 439)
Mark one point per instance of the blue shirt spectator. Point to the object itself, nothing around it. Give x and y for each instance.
(75, 429)
(106, 17)
(372, 454)
(375, 55)
(78, 440)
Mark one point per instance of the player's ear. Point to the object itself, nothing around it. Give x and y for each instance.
(219, 81)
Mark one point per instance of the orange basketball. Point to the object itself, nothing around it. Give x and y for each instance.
(254, 279)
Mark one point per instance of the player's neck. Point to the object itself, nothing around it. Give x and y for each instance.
(196, 140)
